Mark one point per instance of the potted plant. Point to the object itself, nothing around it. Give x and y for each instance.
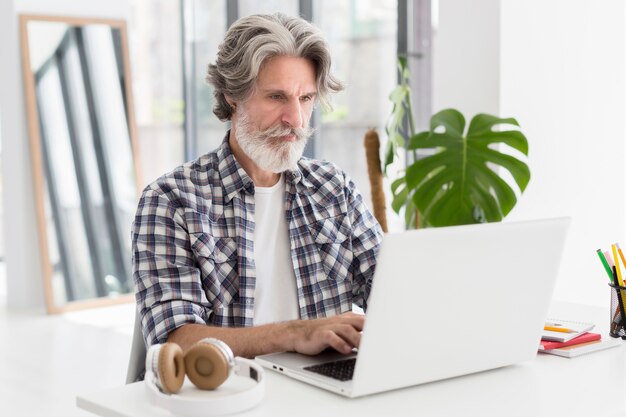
(457, 180)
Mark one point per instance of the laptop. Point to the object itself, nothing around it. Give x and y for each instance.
(445, 302)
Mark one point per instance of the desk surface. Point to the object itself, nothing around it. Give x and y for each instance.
(590, 385)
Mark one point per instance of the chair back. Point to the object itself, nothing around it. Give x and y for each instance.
(137, 361)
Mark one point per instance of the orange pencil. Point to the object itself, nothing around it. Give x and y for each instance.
(621, 254)
(557, 329)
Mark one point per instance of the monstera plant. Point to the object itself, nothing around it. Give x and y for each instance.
(454, 177)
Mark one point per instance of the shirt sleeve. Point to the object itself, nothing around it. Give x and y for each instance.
(366, 238)
(168, 287)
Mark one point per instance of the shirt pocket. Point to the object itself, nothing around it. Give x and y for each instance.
(217, 259)
(333, 243)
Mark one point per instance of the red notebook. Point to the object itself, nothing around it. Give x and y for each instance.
(583, 338)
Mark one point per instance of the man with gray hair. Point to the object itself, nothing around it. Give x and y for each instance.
(252, 243)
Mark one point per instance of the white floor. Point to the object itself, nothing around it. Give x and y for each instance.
(45, 361)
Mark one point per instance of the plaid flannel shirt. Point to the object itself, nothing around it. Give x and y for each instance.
(193, 253)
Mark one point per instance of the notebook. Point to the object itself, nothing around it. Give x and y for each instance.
(575, 329)
(434, 287)
(584, 348)
(583, 338)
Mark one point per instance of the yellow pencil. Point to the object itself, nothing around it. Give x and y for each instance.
(557, 329)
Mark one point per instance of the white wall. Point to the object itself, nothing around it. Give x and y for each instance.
(466, 57)
(24, 282)
(559, 70)
(563, 77)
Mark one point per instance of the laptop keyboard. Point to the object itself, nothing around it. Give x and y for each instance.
(341, 370)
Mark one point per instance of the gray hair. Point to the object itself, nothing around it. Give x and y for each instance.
(251, 41)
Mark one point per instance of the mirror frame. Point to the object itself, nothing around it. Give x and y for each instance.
(34, 134)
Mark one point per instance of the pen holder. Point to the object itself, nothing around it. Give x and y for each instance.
(618, 311)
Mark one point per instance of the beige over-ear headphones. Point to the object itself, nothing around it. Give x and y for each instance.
(207, 364)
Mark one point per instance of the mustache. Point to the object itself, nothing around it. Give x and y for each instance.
(301, 133)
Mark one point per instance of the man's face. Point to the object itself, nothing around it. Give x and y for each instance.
(272, 126)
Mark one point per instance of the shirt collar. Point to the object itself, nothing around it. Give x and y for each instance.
(235, 179)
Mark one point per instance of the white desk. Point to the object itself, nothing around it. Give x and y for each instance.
(591, 385)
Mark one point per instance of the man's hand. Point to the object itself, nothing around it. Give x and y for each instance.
(342, 333)
(310, 337)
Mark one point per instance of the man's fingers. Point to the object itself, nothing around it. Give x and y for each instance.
(349, 335)
(358, 321)
(342, 333)
(355, 320)
(339, 344)
(342, 338)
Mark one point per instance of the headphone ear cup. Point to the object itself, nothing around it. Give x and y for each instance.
(171, 367)
(206, 365)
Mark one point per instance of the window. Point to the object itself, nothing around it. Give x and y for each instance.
(156, 64)
(363, 39)
(205, 26)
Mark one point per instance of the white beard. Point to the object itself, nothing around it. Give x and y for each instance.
(267, 151)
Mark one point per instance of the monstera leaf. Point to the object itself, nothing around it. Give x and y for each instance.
(458, 181)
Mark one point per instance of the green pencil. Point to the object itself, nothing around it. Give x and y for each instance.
(606, 264)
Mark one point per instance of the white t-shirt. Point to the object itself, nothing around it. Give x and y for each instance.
(276, 297)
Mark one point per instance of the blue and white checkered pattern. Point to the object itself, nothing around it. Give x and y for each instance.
(193, 253)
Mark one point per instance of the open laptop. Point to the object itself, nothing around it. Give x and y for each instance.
(445, 302)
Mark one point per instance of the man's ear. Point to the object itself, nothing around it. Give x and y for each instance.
(232, 103)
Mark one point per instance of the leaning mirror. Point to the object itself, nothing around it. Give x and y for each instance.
(83, 146)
